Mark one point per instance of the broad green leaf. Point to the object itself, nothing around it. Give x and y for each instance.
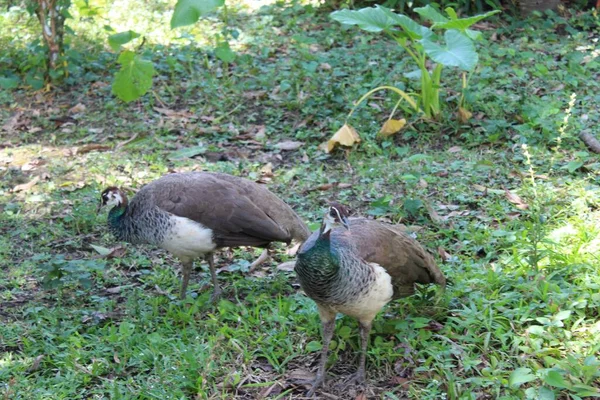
(520, 376)
(187, 152)
(416, 74)
(545, 394)
(410, 27)
(224, 52)
(8, 83)
(554, 378)
(430, 13)
(462, 24)
(313, 346)
(369, 19)
(134, 78)
(563, 315)
(459, 51)
(118, 39)
(103, 251)
(188, 12)
(573, 166)
(345, 332)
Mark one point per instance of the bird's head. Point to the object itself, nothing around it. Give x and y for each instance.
(337, 215)
(112, 197)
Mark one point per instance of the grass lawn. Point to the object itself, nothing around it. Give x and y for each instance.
(508, 203)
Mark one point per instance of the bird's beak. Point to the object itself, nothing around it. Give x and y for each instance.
(346, 223)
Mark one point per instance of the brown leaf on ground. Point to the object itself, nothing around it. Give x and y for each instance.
(13, 123)
(391, 127)
(301, 374)
(454, 149)
(289, 145)
(345, 136)
(332, 185)
(254, 94)
(444, 255)
(36, 363)
(435, 217)
(25, 187)
(464, 115)
(399, 381)
(361, 396)
(516, 200)
(180, 114)
(267, 170)
(91, 147)
(77, 109)
(286, 266)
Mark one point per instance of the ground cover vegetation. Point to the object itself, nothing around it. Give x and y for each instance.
(506, 196)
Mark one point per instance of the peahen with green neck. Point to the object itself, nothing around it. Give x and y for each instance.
(195, 213)
(355, 267)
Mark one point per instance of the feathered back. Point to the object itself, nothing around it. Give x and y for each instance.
(405, 260)
(240, 212)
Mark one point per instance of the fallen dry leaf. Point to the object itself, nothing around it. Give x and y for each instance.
(301, 375)
(289, 145)
(36, 363)
(325, 67)
(454, 149)
(91, 147)
(435, 217)
(399, 381)
(76, 109)
(444, 255)
(26, 186)
(328, 186)
(267, 170)
(361, 396)
(345, 136)
(392, 126)
(516, 200)
(286, 266)
(464, 115)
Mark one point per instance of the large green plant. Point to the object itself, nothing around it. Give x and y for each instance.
(456, 48)
(134, 78)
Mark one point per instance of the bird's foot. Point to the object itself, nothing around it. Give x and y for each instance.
(357, 379)
(318, 381)
(216, 295)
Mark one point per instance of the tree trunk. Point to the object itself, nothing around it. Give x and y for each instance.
(51, 14)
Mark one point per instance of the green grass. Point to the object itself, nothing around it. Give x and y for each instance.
(519, 319)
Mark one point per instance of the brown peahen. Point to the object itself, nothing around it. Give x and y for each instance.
(355, 267)
(193, 214)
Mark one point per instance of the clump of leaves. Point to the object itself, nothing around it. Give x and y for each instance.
(422, 44)
(60, 271)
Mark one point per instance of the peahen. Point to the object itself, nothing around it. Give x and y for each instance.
(355, 267)
(195, 213)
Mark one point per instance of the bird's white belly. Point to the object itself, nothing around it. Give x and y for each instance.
(366, 306)
(188, 239)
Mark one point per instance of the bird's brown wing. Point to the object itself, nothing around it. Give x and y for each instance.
(219, 205)
(403, 257)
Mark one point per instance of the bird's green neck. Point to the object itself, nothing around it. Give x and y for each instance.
(115, 216)
(323, 257)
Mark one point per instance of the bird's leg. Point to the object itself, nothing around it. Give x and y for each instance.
(360, 375)
(264, 256)
(213, 273)
(186, 268)
(328, 324)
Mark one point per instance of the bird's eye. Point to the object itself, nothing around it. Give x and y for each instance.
(333, 212)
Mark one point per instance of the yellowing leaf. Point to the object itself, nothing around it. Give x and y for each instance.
(345, 136)
(464, 115)
(392, 126)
